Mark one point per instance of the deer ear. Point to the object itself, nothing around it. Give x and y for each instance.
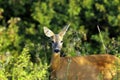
(48, 32)
(62, 33)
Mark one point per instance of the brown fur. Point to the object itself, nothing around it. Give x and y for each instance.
(90, 67)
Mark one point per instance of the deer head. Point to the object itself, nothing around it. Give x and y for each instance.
(57, 39)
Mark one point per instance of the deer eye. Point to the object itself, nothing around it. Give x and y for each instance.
(52, 41)
(61, 41)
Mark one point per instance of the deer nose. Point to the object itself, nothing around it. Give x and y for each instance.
(56, 50)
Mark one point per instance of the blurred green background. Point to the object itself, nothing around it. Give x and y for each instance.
(25, 51)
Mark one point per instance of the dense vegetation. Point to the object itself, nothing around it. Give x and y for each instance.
(25, 51)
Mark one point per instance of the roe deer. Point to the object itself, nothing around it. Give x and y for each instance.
(91, 67)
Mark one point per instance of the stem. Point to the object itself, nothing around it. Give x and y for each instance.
(101, 39)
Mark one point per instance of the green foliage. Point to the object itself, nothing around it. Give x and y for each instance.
(42, 13)
(24, 69)
(25, 51)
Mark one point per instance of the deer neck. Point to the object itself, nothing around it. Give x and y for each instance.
(55, 61)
